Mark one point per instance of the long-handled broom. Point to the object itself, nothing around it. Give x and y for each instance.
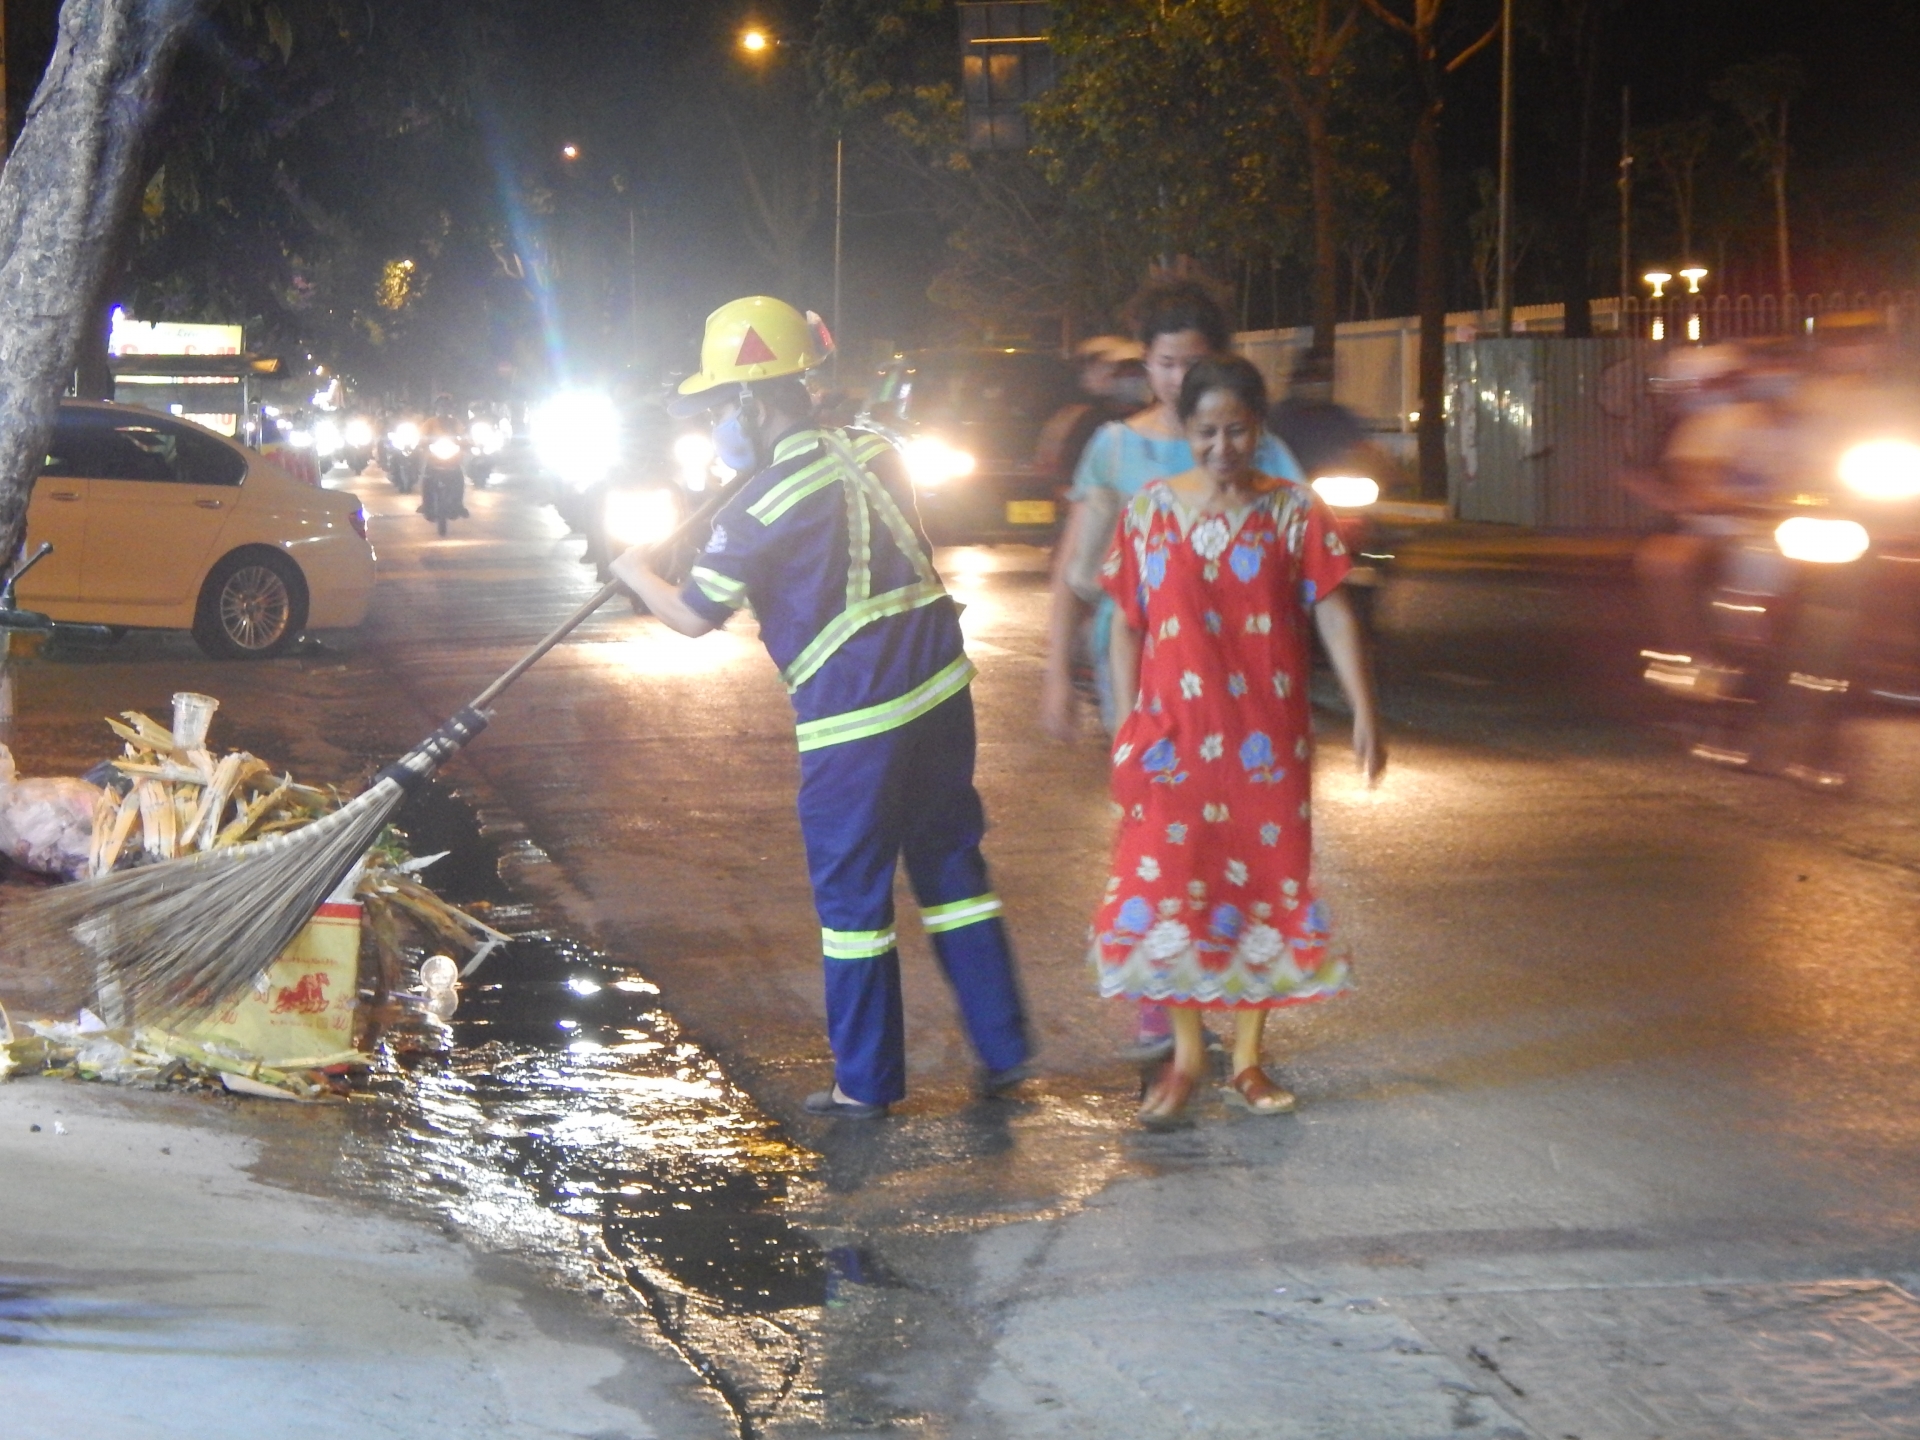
(182, 937)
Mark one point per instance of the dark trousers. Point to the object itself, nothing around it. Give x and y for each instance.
(865, 805)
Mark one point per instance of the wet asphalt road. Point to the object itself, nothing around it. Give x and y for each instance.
(1633, 1058)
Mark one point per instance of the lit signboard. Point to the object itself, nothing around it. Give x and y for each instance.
(170, 337)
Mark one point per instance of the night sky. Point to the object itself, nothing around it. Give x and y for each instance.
(641, 85)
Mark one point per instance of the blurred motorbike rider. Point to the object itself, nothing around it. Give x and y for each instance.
(444, 424)
(821, 538)
(1720, 453)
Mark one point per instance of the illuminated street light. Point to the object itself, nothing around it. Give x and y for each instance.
(755, 41)
(1693, 275)
(569, 151)
(1659, 280)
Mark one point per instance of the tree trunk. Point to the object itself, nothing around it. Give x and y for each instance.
(1431, 285)
(1326, 240)
(67, 190)
(1781, 238)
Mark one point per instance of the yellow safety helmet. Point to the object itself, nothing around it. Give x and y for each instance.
(758, 338)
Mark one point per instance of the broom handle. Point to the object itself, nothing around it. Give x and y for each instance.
(600, 597)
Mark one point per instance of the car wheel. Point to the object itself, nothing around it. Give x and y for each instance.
(253, 606)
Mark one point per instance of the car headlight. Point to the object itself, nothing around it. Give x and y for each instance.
(1347, 492)
(932, 461)
(577, 436)
(405, 435)
(1882, 470)
(640, 517)
(359, 433)
(444, 448)
(1821, 542)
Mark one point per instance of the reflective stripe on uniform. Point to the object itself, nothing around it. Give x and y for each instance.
(941, 918)
(795, 488)
(855, 944)
(721, 589)
(888, 714)
(849, 622)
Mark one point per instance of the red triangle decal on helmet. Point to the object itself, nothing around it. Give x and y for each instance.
(753, 350)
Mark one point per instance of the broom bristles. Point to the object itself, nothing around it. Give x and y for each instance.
(181, 938)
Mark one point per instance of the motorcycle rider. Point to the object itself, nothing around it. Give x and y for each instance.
(450, 480)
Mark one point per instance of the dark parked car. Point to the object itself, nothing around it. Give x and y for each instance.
(967, 422)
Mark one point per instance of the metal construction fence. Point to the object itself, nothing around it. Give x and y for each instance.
(1544, 431)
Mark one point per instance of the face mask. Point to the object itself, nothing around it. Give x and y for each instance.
(733, 445)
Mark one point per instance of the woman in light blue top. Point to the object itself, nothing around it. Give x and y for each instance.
(1178, 323)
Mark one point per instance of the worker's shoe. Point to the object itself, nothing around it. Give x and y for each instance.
(825, 1102)
(995, 1084)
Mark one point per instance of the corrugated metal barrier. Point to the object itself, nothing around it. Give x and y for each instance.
(1542, 432)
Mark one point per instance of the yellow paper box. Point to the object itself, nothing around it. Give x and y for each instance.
(298, 1017)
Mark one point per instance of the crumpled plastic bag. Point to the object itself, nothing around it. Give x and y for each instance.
(46, 825)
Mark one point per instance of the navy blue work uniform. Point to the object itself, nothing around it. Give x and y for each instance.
(825, 545)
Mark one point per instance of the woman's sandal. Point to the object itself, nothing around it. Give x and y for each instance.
(1252, 1091)
(1166, 1104)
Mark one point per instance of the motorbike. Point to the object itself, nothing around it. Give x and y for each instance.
(1813, 601)
(443, 481)
(400, 455)
(486, 439)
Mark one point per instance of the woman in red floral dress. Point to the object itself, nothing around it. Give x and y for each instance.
(1210, 904)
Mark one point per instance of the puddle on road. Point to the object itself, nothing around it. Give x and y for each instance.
(570, 1096)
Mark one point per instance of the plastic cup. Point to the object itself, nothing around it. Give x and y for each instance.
(192, 716)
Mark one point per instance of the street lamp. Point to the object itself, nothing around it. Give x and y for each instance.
(757, 42)
(1659, 280)
(1693, 275)
(569, 151)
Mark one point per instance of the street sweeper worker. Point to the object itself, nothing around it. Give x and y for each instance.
(822, 538)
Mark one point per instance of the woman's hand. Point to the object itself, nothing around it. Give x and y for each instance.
(1346, 646)
(1368, 746)
(1059, 707)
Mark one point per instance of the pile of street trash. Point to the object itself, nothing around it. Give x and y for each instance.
(366, 973)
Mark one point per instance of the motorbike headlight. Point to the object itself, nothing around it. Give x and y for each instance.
(300, 439)
(405, 435)
(444, 448)
(1821, 542)
(1347, 492)
(693, 457)
(640, 517)
(932, 462)
(577, 436)
(359, 433)
(1882, 470)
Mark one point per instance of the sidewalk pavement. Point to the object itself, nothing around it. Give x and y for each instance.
(153, 1283)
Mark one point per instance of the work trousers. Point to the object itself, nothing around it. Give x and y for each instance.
(865, 805)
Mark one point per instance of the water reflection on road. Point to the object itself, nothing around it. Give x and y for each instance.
(571, 1101)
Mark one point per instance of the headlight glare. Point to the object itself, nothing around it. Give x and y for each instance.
(693, 457)
(1821, 542)
(577, 436)
(405, 435)
(640, 517)
(359, 433)
(1882, 470)
(932, 462)
(1347, 492)
(444, 448)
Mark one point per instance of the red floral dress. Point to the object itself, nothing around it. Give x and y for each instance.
(1209, 902)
